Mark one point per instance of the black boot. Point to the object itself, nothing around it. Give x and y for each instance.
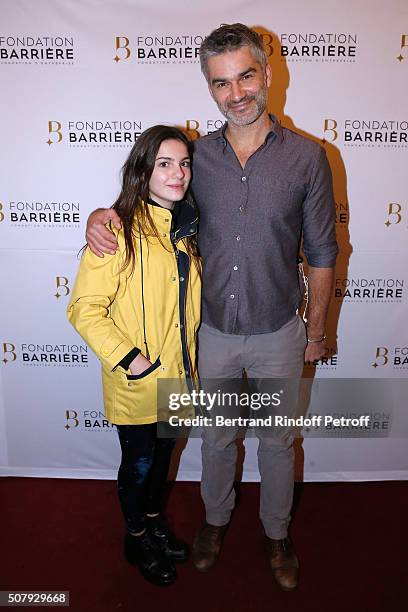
(153, 564)
(160, 531)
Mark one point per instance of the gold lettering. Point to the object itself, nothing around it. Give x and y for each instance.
(54, 127)
(267, 40)
(394, 210)
(330, 126)
(192, 126)
(8, 347)
(71, 415)
(62, 283)
(381, 353)
(122, 42)
(404, 43)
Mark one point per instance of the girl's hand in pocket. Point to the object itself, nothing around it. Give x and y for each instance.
(139, 364)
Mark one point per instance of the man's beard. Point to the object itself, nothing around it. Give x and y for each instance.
(246, 118)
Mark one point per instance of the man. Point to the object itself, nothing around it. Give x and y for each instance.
(259, 188)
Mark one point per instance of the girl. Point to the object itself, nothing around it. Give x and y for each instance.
(139, 311)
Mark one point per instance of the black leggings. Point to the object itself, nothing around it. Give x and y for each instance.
(142, 473)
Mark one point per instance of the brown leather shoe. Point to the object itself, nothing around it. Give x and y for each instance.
(284, 563)
(207, 546)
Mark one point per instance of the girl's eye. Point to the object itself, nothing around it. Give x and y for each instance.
(163, 164)
(186, 164)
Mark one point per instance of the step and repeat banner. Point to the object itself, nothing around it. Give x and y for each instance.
(80, 81)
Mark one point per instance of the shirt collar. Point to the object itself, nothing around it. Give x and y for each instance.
(184, 217)
(173, 210)
(275, 131)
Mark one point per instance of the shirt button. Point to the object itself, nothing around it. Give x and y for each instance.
(238, 238)
(243, 179)
(235, 267)
(241, 208)
(167, 220)
(174, 278)
(181, 372)
(164, 235)
(232, 296)
(176, 325)
(181, 279)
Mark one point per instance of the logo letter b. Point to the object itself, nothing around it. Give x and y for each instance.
(8, 347)
(54, 127)
(330, 126)
(192, 126)
(62, 283)
(394, 210)
(71, 415)
(380, 354)
(122, 42)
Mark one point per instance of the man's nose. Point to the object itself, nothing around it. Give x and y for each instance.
(237, 92)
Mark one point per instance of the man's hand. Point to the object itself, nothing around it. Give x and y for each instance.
(139, 364)
(320, 287)
(315, 351)
(101, 240)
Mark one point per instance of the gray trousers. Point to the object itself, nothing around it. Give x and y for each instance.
(225, 356)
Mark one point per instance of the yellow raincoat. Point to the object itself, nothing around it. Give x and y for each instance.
(106, 308)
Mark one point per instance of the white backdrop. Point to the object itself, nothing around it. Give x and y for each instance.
(80, 79)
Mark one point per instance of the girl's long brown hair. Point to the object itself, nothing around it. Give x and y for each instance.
(136, 173)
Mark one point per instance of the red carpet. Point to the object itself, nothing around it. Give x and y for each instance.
(67, 535)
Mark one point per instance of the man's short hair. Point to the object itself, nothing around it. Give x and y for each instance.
(230, 37)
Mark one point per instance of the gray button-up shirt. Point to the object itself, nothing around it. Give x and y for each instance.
(251, 223)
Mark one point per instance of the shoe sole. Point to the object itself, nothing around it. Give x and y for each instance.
(204, 570)
(177, 560)
(156, 582)
(286, 589)
(149, 578)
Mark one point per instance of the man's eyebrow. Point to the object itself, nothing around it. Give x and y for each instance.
(240, 75)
